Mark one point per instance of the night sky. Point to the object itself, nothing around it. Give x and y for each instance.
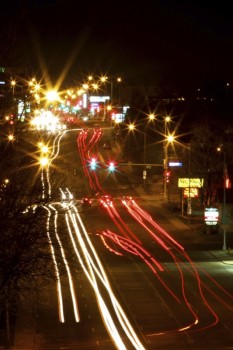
(150, 43)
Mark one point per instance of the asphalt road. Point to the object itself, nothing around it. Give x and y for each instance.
(186, 304)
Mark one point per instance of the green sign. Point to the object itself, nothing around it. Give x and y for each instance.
(2, 69)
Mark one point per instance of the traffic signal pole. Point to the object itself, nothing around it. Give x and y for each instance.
(165, 171)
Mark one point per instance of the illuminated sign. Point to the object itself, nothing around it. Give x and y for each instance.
(118, 117)
(186, 182)
(211, 216)
(191, 192)
(84, 101)
(175, 164)
(99, 98)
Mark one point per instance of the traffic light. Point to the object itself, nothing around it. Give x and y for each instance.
(93, 164)
(112, 166)
(167, 176)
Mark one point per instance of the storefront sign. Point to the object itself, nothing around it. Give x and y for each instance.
(194, 182)
(191, 192)
(99, 98)
(211, 216)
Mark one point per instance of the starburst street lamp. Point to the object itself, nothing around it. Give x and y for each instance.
(131, 127)
(44, 161)
(118, 81)
(104, 79)
(13, 84)
(11, 137)
(52, 95)
(151, 118)
(168, 140)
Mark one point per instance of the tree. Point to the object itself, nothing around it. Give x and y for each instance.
(205, 161)
(25, 257)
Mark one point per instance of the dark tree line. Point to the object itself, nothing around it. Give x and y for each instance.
(25, 258)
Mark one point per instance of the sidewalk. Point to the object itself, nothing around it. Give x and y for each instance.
(191, 226)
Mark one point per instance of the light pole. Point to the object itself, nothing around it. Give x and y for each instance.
(224, 202)
(105, 79)
(219, 149)
(111, 93)
(165, 169)
(169, 139)
(13, 84)
(151, 118)
(165, 166)
(144, 158)
(131, 128)
(189, 200)
(189, 209)
(119, 81)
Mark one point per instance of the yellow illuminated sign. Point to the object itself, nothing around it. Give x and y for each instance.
(192, 192)
(186, 182)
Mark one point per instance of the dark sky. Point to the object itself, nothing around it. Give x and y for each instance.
(150, 43)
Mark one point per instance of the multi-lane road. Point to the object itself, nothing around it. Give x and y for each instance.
(125, 279)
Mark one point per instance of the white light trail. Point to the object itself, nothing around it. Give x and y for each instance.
(72, 290)
(57, 274)
(91, 277)
(99, 270)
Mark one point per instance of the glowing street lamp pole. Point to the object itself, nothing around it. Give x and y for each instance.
(13, 84)
(131, 128)
(165, 170)
(151, 118)
(105, 79)
(166, 120)
(169, 139)
(119, 81)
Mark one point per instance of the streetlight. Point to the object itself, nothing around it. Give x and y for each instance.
(44, 161)
(104, 79)
(11, 137)
(119, 81)
(189, 207)
(52, 95)
(168, 139)
(167, 119)
(13, 83)
(219, 149)
(151, 117)
(131, 127)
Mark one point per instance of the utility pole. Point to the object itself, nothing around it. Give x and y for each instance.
(224, 221)
(165, 170)
(224, 202)
(144, 159)
(189, 204)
